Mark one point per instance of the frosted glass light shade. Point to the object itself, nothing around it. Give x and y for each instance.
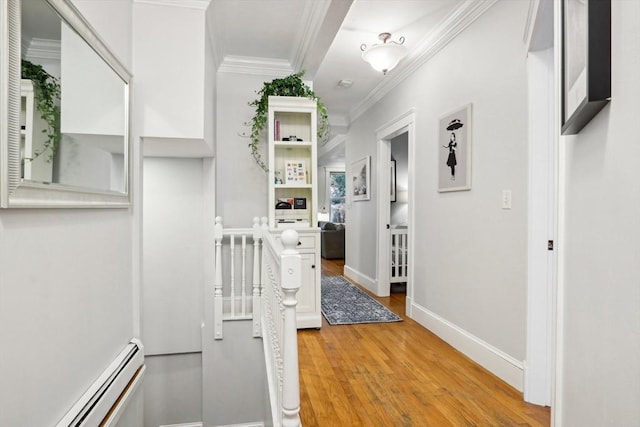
(384, 56)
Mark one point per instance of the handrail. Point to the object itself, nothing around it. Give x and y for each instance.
(281, 280)
(277, 277)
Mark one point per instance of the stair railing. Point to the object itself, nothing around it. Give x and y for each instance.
(281, 280)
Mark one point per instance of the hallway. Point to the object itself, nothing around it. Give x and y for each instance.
(399, 374)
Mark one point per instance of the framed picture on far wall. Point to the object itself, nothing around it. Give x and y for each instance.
(586, 61)
(454, 148)
(360, 177)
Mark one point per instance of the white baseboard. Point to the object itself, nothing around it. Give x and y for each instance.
(182, 425)
(502, 365)
(365, 281)
(255, 424)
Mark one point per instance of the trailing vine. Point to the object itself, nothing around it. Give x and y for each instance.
(288, 86)
(47, 98)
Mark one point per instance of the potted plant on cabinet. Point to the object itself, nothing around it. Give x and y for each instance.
(288, 86)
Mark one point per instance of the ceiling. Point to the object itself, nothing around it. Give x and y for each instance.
(323, 37)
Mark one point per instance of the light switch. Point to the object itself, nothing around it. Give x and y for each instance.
(506, 199)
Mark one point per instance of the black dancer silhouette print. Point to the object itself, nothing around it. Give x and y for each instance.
(454, 125)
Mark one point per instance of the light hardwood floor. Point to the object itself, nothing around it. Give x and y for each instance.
(399, 374)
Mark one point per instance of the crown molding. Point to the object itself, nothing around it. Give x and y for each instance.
(214, 42)
(529, 23)
(255, 66)
(333, 143)
(42, 49)
(313, 17)
(188, 4)
(433, 43)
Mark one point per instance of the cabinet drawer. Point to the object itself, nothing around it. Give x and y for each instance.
(307, 242)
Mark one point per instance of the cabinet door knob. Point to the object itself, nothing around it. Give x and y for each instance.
(313, 266)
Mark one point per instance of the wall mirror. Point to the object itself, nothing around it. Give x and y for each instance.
(64, 144)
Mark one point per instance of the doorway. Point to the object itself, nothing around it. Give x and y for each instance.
(402, 131)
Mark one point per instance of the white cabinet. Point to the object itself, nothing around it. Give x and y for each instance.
(293, 191)
(309, 314)
(37, 164)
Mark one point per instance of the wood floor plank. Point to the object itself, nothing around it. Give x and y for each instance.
(400, 374)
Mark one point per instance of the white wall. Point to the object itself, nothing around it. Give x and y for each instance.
(598, 370)
(169, 52)
(173, 261)
(235, 380)
(66, 294)
(241, 192)
(173, 389)
(469, 254)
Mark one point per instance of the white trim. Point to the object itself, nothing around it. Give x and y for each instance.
(255, 66)
(530, 22)
(361, 279)
(187, 4)
(255, 424)
(383, 256)
(199, 424)
(494, 360)
(401, 124)
(558, 308)
(335, 142)
(541, 216)
(42, 49)
(313, 18)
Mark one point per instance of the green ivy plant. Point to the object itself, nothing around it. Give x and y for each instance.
(288, 86)
(47, 98)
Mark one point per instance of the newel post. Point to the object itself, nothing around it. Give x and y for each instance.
(291, 278)
(218, 314)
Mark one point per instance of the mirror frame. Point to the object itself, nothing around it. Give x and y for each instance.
(14, 191)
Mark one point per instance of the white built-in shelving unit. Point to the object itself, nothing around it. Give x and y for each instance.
(293, 188)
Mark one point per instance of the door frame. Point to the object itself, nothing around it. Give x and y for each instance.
(404, 123)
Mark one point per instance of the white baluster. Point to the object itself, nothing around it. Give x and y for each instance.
(256, 278)
(243, 279)
(291, 278)
(405, 252)
(232, 298)
(218, 313)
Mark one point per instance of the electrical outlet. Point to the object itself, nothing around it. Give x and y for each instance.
(506, 199)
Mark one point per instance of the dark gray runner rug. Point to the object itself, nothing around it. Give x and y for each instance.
(344, 304)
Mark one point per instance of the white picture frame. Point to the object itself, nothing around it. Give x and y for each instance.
(454, 150)
(360, 177)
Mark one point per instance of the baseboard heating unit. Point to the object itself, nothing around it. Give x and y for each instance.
(103, 403)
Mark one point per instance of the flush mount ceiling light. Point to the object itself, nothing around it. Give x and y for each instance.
(386, 55)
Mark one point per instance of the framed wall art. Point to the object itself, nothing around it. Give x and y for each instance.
(361, 179)
(454, 147)
(586, 61)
